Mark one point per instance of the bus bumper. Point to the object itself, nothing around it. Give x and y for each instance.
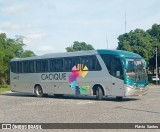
(134, 91)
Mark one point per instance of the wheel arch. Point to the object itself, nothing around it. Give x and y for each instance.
(95, 87)
(37, 84)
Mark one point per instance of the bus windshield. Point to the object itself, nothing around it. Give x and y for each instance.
(135, 70)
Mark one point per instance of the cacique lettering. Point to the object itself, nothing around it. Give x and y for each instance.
(56, 76)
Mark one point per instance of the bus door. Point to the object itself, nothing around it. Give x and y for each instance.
(117, 77)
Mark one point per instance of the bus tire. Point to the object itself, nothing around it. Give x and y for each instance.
(99, 93)
(38, 91)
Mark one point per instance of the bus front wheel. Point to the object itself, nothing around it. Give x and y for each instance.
(99, 93)
(38, 91)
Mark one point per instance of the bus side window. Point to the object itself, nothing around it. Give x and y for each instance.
(58, 66)
(31, 66)
(38, 66)
(75, 61)
(67, 64)
(92, 63)
(44, 65)
(116, 68)
(107, 60)
(13, 67)
(19, 67)
(51, 65)
(85, 61)
(25, 67)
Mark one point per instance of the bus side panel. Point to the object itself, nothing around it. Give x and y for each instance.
(104, 77)
(92, 78)
(117, 87)
(21, 83)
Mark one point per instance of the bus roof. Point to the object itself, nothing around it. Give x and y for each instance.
(120, 53)
(59, 55)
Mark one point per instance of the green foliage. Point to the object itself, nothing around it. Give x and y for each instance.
(141, 42)
(78, 46)
(155, 31)
(27, 53)
(4, 88)
(10, 48)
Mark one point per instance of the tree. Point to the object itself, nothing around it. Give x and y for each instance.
(27, 53)
(78, 46)
(10, 48)
(155, 31)
(3, 67)
(138, 41)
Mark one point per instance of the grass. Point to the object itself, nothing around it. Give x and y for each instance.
(4, 88)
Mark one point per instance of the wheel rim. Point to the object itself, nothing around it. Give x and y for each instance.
(38, 91)
(97, 93)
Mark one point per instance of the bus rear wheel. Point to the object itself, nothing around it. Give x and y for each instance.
(99, 93)
(38, 91)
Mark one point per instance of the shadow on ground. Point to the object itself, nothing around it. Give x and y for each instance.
(17, 94)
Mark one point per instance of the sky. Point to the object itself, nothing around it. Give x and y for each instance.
(49, 26)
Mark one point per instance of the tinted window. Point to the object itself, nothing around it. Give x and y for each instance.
(70, 62)
(94, 63)
(13, 66)
(25, 66)
(51, 65)
(38, 66)
(19, 67)
(113, 65)
(67, 64)
(44, 65)
(56, 65)
(107, 61)
(75, 61)
(91, 62)
(116, 67)
(85, 62)
(31, 66)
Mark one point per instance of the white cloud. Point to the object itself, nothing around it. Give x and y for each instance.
(9, 25)
(36, 36)
(40, 49)
(33, 42)
(50, 26)
(33, 39)
(45, 48)
(15, 9)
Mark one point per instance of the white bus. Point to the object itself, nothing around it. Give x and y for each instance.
(97, 72)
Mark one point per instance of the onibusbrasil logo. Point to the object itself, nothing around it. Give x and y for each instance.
(78, 71)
